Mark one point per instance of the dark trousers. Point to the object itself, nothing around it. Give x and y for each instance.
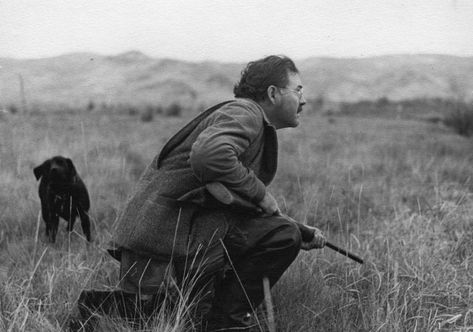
(251, 250)
(227, 278)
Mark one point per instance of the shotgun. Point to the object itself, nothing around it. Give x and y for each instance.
(227, 197)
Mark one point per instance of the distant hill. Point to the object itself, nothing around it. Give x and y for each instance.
(397, 77)
(135, 78)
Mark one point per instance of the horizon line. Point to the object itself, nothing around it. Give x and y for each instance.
(166, 57)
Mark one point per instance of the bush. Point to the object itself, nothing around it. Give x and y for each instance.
(174, 110)
(90, 106)
(460, 118)
(132, 110)
(12, 108)
(147, 115)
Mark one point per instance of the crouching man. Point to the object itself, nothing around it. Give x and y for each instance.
(175, 226)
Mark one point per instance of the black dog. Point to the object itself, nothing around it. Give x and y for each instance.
(63, 194)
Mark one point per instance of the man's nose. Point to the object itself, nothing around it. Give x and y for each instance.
(302, 101)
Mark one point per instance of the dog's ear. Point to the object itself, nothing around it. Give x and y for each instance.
(42, 169)
(71, 166)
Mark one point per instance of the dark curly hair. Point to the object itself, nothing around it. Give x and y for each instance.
(260, 74)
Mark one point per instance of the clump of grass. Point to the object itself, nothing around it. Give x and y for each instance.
(416, 277)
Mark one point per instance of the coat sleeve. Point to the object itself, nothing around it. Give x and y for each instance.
(306, 233)
(215, 153)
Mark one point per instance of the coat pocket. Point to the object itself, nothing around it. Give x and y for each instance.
(162, 227)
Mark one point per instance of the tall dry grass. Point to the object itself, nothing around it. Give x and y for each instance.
(398, 193)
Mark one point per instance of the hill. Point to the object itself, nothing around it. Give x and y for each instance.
(135, 78)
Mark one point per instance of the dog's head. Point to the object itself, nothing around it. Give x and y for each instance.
(58, 169)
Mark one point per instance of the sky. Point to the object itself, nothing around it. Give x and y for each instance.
(236, 31)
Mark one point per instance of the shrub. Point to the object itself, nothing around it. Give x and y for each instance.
(12, 108)
(90, 105)
(132, 110)
(174, 110)
(460, 118)
(147, 115)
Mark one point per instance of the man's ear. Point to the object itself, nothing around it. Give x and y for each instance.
(71, 166)
(271, 94)
(42, 169)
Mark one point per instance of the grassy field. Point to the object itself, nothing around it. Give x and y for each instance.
(398, 193)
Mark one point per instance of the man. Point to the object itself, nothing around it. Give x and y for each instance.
(177, 225)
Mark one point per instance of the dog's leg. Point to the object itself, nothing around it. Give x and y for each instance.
(46, 217)
(53, 226)
(48, 230)
(85, 223)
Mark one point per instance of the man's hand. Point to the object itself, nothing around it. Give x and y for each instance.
(317, 242)
(269, 206)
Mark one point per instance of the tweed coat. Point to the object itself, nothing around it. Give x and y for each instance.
(170, 214)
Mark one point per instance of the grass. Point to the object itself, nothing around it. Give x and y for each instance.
(396, 192)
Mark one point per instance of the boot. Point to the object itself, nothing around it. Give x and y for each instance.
(237, 322)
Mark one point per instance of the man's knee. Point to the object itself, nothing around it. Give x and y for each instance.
(296, 236)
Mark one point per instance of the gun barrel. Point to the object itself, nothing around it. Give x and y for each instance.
(344, 252)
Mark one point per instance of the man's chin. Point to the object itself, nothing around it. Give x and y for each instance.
(291, 124)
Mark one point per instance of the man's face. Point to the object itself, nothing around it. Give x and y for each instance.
(290, 102)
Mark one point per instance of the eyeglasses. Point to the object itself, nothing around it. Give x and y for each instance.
(299, 93)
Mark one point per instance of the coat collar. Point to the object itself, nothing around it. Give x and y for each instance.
(258, 106)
